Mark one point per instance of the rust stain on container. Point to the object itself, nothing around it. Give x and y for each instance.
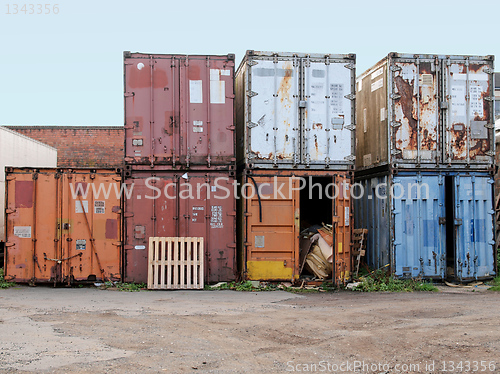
(60, 236)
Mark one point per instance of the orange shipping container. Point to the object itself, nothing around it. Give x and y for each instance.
(63, 225)
(271, 220)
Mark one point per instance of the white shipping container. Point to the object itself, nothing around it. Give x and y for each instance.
(295, 110)
(18, 150)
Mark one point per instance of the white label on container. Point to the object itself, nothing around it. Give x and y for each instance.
(472, 77)
(99, 207)
(382, 114)
(476, 101)
(337, 96)
(216, 217)
(458, 100)
(78, 206)
(213, 188)
(377, 72)
(197, 126)
(259, 241)
(214, 74)
(140, 247)
(195, 92)
(217, 92)
(346, 216)
(378, 84)
(22, 231)
(360, 85)
(225, 72)
(365, 122)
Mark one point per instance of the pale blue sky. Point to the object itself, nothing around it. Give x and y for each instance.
(66, 69)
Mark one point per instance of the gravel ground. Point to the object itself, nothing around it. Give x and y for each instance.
(87, 330)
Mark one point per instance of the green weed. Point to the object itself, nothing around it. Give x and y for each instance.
(495, 284)
(382, 281)
(3, 282)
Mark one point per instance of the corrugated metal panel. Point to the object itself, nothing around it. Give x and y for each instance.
(208, 211)
(179, 109)
(373, 213)
(435, 110)
(419, 244)
(295, 110)
(272, 221)
(446, 232)
(474, 227)
(63, 225)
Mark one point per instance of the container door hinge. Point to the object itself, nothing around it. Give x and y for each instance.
(490, 126)
(395, 124)
(350, 127)
(252, 62)
(232, 214)
(395, 68)
(488, 71)
(9, 244)
(9, 211)
(489, 98)
(117, 244)
(395, 151)
(442, 220)
(251, 125)
(128, 215)
(251, 93)
(458, 221)
(128, 127)
(350, 96)
(129, 94)
(443, 105)
(395, 96)
(490, 153)
(232, 245)
(350, 66)
(350, 158)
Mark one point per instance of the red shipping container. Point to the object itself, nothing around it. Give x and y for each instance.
(179, 109)
(165, 203)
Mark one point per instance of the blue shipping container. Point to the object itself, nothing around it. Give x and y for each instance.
(431, 225)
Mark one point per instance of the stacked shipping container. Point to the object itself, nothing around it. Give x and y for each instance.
(295, 128)
(426, 123)
(179, 137)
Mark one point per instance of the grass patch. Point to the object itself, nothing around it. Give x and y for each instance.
(248, 286)
(3, 282)
(382, 281)
(127, 287)
(495, 284)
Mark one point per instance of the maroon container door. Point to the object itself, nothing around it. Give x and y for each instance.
(205, 215)
(183, 208)
(179, 109)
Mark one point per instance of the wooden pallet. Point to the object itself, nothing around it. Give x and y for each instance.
(175, 263)
(358, 246)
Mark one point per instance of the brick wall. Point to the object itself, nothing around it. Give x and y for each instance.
(79, 146)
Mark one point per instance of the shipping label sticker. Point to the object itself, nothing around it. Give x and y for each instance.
(337, 95)
(216, 217)
(382, 114)
(195, 92)
(346, 216)
(214, 74)
(225, 72)
(22, 231)
(458, 101)
(198, 214)
(217, 92)
(78, 206)
(213, 188)
(476, 101)
(377, 84)
(99, 207)
(81, 244)
(197, 126)
(377, 73)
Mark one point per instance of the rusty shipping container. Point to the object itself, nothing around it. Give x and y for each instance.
(273, 211)
(179, 109)
(63, 225)
(295, 110)
(166, 203)
(426, 111)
